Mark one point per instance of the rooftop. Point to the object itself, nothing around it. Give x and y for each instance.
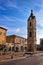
(15, 36)
(3, 28)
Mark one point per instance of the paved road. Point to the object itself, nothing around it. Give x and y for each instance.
(31, 60)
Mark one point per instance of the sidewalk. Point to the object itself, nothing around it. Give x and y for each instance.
(12, 59)
(10, 56)
(16, 58)
(6, 60)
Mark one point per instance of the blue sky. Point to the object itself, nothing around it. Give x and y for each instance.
(14, 15)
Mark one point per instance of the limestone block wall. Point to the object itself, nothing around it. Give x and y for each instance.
(2, 36)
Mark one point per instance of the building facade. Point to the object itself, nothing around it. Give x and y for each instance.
(41, 44)
(2, 37)
(19, 43)
(31, 33)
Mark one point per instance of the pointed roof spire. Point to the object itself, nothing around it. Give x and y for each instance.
(31, 13)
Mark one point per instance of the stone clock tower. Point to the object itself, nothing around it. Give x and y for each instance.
(31, 33)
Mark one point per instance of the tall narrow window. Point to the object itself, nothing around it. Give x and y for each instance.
(0, 33)
(30, 23)
(30, 35)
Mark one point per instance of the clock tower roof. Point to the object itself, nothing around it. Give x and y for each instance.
(31, 15)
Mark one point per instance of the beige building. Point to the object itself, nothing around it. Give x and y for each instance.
(41, 44)
(17, 43)
(2, 36)
(31, 32)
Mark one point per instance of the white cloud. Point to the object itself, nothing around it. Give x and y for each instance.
(11, 4)
(39, 18)
(8, 18)
(39, 35)
(11, 18)
(11, 30)
(17, 30)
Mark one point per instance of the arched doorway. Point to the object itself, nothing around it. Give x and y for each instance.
(17, 49)
(22, 49)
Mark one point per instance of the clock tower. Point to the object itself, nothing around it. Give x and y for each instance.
(31, 33)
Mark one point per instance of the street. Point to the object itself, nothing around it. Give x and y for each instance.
(31, 60)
